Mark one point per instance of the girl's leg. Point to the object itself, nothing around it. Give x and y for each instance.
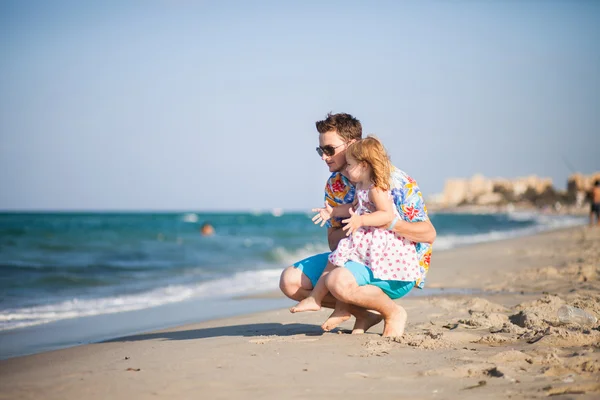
(296, 285)
(313, 302)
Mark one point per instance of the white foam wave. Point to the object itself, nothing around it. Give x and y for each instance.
(542, 223)
(284, 257)
(240, 283)
(522, 215)
(190, 217)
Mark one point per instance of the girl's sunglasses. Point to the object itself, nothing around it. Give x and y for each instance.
(328, 150)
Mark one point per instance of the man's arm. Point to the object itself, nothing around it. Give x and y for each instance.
(414, 223)
(341, 211)
(418, 231)
(334, 235)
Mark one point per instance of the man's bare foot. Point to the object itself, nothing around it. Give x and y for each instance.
(395, 324)
(308, 304)
(365, 322)
(336, 318)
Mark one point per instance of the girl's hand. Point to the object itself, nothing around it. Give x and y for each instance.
(324, 214)
(352, 223)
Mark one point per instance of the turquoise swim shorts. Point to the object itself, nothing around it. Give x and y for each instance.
(313, 267)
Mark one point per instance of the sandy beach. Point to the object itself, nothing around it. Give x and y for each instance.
(501, 339)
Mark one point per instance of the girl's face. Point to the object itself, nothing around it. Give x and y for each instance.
(357, 171)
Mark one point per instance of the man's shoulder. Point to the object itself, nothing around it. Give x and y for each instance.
(337, 176)
(333, 176)
(337, 179)
(408, 197)
(339, 188)
(401, 178)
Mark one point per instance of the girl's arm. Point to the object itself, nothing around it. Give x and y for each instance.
(384, 208)
(335, 235)
(383, 214)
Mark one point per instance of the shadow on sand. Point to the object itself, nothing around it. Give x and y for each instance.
(248, 330)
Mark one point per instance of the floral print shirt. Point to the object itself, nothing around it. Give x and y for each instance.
(407, 198)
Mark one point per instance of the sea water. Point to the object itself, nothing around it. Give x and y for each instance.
(61, 273)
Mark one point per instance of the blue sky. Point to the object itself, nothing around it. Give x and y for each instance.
(206, 105)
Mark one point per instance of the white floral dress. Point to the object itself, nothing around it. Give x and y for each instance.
(389, 255)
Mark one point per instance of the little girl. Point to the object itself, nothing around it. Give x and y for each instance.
(387, 254)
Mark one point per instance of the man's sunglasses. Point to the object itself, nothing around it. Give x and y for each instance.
(328, 150)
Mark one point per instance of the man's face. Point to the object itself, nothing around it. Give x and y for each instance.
(332, 141)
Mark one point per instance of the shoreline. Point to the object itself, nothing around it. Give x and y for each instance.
(506, 336)
(65, 333)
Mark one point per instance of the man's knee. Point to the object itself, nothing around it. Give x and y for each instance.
(290, 281)
(341, 283)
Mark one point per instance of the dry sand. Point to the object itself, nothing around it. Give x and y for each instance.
(503, 341)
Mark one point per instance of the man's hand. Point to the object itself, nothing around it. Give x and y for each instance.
(352, 223)
(323, 214)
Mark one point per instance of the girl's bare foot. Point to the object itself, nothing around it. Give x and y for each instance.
(395, 324)
(308, 304)
(365, 322)
(336, 318)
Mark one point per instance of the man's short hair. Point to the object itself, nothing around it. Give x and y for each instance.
(345, 125)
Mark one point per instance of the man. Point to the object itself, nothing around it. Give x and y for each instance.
(336, 132)
(595, 206)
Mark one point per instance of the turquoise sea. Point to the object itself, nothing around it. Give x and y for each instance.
(69, 278)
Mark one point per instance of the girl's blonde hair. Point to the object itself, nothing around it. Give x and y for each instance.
(371, 151)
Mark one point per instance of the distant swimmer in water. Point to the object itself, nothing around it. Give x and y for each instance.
(207, 229)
